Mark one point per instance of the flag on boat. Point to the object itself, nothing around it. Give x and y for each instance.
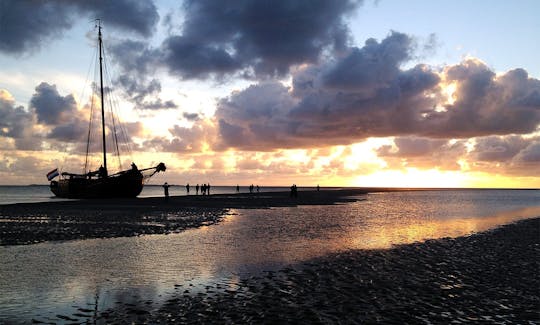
(52, 174)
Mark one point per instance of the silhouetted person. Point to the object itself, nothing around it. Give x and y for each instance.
(102, 172)
(208, 189)
(187, 188)
(197, 189)
(237, 188)
(166, 190)
(294, 191)
(318, 187)
(257, 188)
(134, 167)
(251, 188)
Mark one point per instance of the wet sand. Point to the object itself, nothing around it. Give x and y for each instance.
(491, 277)
(29, 223)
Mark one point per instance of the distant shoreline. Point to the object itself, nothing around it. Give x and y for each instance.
(29, 223)
(362, 188)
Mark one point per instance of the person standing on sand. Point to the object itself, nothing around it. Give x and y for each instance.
(197, 189)
(166, 190)
(187, 188)
(237, 188)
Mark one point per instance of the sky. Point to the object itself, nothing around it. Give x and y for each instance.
(336, 93)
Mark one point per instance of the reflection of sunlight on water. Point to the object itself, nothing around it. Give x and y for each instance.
(51, 278)
(408, 231)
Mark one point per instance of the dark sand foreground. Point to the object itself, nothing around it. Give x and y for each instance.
(491, 277)
(29, 223)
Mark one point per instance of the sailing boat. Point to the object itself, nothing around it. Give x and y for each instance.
(99, 184)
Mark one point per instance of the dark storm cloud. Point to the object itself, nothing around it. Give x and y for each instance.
(50, 107)
(220, 37)
(331, 105)
(25, 24)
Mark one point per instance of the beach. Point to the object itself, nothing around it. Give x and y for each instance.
(30, 223)
(491, 277)
(488, 276)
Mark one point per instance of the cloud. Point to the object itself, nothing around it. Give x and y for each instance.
(26, 25)
(423, 153)
(506, 155)
(144, 94)
(195, 139)
(374, 65)
(531, 153)
(74, 131)
(411, 147)
(188, 58)
(140, 16)
(251, 38)
(191, 116)
(498, 149)
(50, 107)
(486, 104)
(376, 97)
(14, 120)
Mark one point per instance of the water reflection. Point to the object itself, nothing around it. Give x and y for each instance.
(49, 279)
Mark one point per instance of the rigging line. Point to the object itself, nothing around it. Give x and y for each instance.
(86, 169)
(81, 99)
(96, 117)
(115, 108)
(111, 107)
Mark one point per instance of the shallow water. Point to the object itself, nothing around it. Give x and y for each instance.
(42, 193)
(48, 280)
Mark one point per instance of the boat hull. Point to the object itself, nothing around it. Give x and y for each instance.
(128, 184)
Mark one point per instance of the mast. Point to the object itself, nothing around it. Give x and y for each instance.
(102, 97)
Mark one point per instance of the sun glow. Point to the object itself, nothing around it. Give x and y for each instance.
(450, 90)
(412, 177)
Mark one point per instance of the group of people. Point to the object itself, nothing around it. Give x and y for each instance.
(294, 191)
(205, 189)
(252, 188)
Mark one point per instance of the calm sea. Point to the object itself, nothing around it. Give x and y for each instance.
(48, 281)
(42, 193)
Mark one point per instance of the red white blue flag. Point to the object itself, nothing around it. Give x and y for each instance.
(52, 174)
